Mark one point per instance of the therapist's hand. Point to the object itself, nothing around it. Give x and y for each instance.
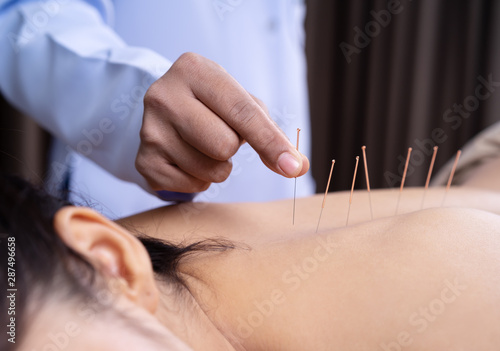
(195, 119)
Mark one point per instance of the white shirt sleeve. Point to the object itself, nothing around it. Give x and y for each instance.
(63, 65)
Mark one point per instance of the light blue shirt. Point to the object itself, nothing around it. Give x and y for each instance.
(81, 69)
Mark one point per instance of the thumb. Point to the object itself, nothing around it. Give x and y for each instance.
(279, 154)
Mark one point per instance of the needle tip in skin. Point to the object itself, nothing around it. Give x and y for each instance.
(352, 190)
(363, 148)
(429, 174)
(404, 178)
(326, 192)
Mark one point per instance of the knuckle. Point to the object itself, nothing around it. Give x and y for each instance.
(144, 161)
(154, 99)
(227, 146)
(139, 164)
(190, 57)
(243, 113)
(221, 173)
(143, 166)
(188, 61)
(148, 137)
(156, 129)
(266, 138)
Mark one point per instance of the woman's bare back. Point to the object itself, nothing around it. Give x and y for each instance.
(421, 280)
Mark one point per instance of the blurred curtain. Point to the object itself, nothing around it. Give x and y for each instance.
(397, 74)
(23, 145)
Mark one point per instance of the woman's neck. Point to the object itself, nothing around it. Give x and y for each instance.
(182, 314)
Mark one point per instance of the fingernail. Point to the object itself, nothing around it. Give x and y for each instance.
(288, 164)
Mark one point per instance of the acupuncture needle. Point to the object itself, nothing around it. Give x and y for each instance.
(295, 185)
(326, 192)
(363, 148)
(452, 174)
(403, 179)
(429, 174)
(352, 190)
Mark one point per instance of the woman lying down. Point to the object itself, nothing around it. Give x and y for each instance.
(241, 277)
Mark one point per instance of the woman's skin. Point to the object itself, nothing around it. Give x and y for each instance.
(362, 287)
(422, 280)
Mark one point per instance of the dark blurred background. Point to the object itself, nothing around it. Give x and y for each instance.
(403, 76)
(23, 145)
(385, 74)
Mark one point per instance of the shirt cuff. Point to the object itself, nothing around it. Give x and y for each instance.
(175, 196)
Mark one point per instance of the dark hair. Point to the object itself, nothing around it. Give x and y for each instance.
(44, 264)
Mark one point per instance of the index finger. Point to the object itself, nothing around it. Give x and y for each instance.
(230, 101)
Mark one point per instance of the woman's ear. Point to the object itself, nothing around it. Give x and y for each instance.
(113, 251)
